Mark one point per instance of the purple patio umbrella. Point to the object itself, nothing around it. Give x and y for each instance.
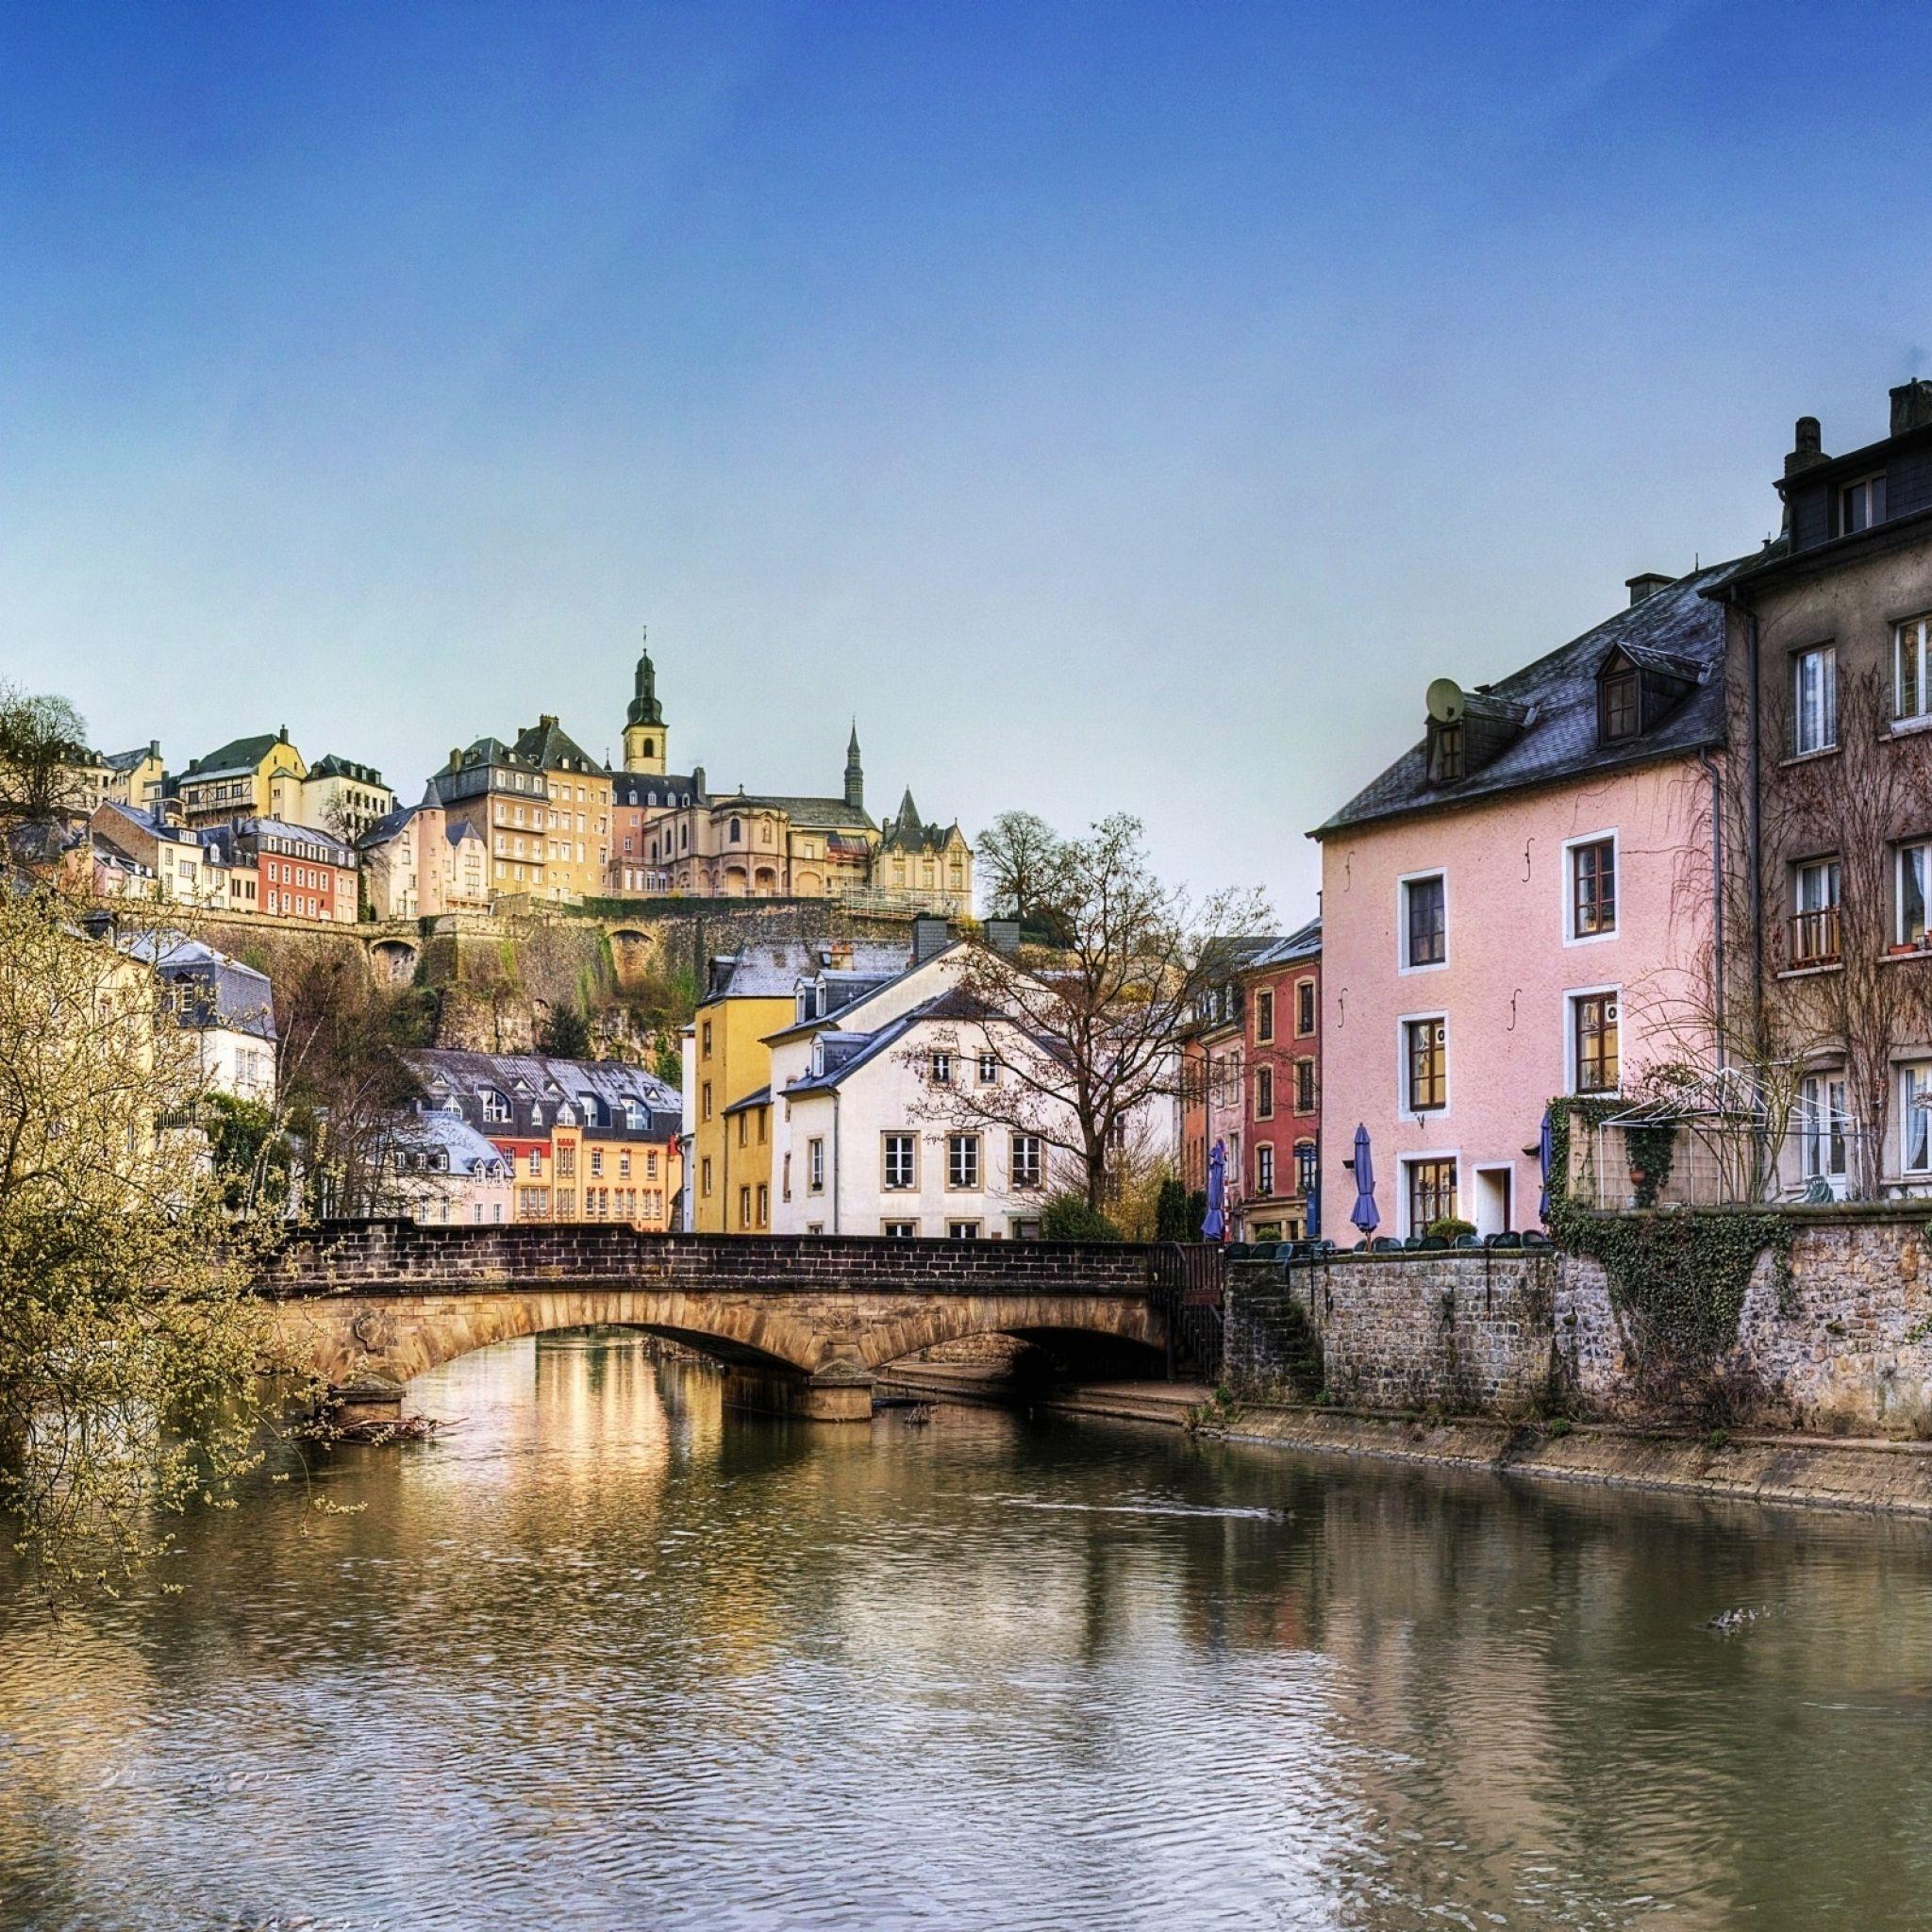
(1214, 1227)
(1546, 1158)
(1365, 1214)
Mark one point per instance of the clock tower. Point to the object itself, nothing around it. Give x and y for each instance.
(643, 723)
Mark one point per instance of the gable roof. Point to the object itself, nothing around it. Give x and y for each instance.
(548, 744)
(771, 969)
(815, 814)
(546, 1078)
(1677, 629)
(238, 756)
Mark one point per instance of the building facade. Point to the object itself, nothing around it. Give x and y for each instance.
(578, 810)
(228, 1008)
(301, 872)
(420, 861)
(584, 1140)
(1278, 1178)
(444, 1173)
(1522, 908)
(505, 800)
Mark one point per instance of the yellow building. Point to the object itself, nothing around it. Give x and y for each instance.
(577, 840)
(258, 777)
(727, 1098)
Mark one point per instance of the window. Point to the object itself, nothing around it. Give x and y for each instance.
(815, 1166)
(1264, 1171)
(705, 1040)
(765, 1203)
(1425, 1065)
(1860, 505)
(704, 1101)
(496, 1105)
(1264, 1093)
(901, 1161)
(1304, 1168)
(1424, 922)
(1445, 752)
(1814, 700)
(1305, 1006)
(535, 1163)
(1915, 1118)
(1305, 1086)
(1029, 1161)
(1914, 882)
(785, 1178)
(1619, 704)
(989, 1070)
(596, 1160)
(963, 1160)
(1593, 890)
(1822, 1123)
(623, 1165)
(1912, 669)
(899, 1230)
(1264, 1015)
(705, 1176)
(743, 1130)
(962, 1230)
(1814, 913)
(1431, 1192)
(1593, 1042)
(942, 1070)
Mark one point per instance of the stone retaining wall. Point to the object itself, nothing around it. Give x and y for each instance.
(1849, 1352)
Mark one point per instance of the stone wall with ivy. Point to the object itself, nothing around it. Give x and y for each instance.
(1808, 1319)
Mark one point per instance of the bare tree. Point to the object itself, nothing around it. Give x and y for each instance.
(1019, 860)
(43, 757)
(1080, 1040)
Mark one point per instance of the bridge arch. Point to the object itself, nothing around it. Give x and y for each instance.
(1026, 1318)
(394, 961)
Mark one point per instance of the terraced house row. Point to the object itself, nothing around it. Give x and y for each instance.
(1678, 868)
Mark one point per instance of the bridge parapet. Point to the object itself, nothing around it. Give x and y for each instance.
(376, 1256)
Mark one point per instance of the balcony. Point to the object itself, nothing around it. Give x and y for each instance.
(1814, 938)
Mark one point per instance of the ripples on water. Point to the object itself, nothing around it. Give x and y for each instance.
(603, 1658)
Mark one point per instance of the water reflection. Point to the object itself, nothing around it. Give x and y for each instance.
(603, 1658)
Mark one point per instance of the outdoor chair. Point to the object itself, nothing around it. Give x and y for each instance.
(1433, 1243)
(1385, 1244)
(1468, 1241)
(1534, 1237)
(1508, 1239)
(1239, 1251)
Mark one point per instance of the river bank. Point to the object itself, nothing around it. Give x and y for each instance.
(1815, 1472)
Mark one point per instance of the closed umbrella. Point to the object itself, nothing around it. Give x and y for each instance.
(1215, 1226)
(1365, 1214)
(1314, 1201)
(1546, 1158)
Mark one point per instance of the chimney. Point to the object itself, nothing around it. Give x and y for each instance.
(930, 937)
(1807, 446)
(1003, 936)
(1647, 583)
(1911, 406)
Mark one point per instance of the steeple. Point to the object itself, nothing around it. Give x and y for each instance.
(907, 820)
(644, 721)
(855, 773)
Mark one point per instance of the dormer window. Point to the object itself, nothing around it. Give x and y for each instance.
(1860, 505)
(1619, 701)
(1445, 752)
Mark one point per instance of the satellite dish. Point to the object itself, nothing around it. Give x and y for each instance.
(1446, 701)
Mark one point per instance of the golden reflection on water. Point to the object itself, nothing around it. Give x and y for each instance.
(603, 1657)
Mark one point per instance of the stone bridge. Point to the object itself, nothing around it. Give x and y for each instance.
(803, 1323)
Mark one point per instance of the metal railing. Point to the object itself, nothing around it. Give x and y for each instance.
(1187, 1280)
(1814, 938)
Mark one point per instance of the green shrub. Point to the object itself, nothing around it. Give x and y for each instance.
(1449, 1228)
(1069, 1218)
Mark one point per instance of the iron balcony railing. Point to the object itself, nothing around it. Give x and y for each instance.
(1814, 938)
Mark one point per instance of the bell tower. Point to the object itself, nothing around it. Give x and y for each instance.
(644, 721)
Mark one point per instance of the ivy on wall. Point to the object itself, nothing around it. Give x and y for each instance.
(1677, 1276)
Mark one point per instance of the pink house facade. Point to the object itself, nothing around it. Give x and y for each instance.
(1521, 907)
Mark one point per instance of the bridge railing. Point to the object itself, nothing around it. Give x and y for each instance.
(1188, 1283)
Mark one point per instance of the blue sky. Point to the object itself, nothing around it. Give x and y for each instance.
(1114, 406)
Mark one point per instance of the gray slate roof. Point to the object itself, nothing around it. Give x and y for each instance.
(1305, 944)
(211, 988)
(552, 1080)
(654, 789)
(1678, 629)
(771, 969)
(817, 814)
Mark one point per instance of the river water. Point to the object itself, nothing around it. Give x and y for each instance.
(604, 1657)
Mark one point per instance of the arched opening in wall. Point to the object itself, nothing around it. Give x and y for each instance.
(809, 885)
(736, 884)
(766, 882)
(394, 960)
(631, 953)
(1030, 1359)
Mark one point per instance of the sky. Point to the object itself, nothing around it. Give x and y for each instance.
(1112, 406)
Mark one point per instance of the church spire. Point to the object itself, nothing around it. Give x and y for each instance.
(643, 718)
(855, 773)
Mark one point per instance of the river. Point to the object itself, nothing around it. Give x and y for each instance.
(605, 1657)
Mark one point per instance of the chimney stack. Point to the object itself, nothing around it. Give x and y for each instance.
(1003, 936)
(930, 937)
(1911, 406)
(1646, 583)
(1807, 446)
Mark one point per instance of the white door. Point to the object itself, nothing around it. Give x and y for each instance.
(1494, 1205)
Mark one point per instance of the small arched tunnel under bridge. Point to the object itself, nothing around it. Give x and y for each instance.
(816, 1358)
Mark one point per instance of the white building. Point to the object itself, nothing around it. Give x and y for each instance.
(448, 1175)
(228, 1007)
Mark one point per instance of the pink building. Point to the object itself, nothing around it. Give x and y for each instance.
(1520, 907)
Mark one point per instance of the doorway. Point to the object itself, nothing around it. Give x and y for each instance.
(1494, 1200)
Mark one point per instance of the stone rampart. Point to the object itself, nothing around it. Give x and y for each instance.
(1840, 1345)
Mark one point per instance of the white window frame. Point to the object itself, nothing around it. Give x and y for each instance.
(1826, 654)
(1817, 1113)
(1018, 1172)
(1402, 885)
(939, 1066)
(1913, 1076)
(1904, 851)
(1571, 847)
(986, 1069)
(887, 1184)
(1402, 1095)
(1873, 492)
(1913, 634)
(815, 1165)
(899, 1230)
(1570, 995)
(956, 1144)
(962, 1230)
(1264, 1171)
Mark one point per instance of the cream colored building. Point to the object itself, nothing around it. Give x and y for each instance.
(422, 861)
(577, 832)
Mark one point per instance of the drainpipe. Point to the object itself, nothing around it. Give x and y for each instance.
(835, 1160)
(1716, 886)
(1755, 858)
